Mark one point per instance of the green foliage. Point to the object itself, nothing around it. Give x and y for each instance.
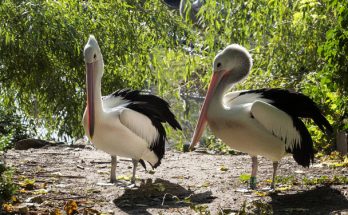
(11, 129)
(286, 180)
(42, 69)
(334, 160)
(244, 178)
(326, 180)
(7, 187)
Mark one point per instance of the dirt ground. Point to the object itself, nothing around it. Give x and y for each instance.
(185, 183)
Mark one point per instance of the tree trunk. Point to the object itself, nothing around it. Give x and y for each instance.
(341, 142)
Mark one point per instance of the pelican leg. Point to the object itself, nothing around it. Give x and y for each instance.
(275, 166)
(135, 164)
(113, 169)
(254, 165)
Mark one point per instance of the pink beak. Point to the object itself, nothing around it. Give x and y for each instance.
(202, 121)
(90, 97)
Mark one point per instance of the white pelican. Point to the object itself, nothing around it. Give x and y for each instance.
(258, 122)
(126, 123)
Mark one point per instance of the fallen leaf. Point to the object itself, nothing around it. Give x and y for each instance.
(27, 184)
(71, 207)
(223, 168)
(159, 187)
(187, 199)
(268, 180)
(22, 191)
(14, 199)
(283, 188)
(205, 184)
(151, 171)
(40, 191)
(44, 185)
(57, 212)
(261, 194)
(244, 178)
(7, 207)
(88, 211)
(124, 177)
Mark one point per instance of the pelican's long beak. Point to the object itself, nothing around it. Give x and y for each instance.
(90, 97)
(202, 121)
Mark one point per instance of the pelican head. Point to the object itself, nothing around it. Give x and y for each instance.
(94, 70)
(92, 53)
(230, 66)
(234, 63)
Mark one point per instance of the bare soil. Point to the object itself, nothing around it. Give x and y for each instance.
(185, 183)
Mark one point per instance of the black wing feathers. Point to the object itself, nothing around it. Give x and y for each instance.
(153, 105)
(158, 112)
(297, 106)
(302, 153)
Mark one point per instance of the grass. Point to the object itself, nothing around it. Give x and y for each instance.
(244, 178)
(292, 180)
(334, 159)
(326, 180)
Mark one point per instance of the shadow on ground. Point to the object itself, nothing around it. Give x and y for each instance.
(321, 200)
(159, 194)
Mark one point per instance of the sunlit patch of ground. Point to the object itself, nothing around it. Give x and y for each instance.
(61, 179)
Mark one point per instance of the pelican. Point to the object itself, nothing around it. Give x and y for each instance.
(192, 9)
(125, 123)
(263, 122)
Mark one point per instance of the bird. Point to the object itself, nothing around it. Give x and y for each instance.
(173, 4)
(261, 122)
(192, 10)
(126, 123)
(184, 8)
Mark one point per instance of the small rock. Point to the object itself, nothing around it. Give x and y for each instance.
(57, 174)
(30, 143)
(299, 171)
(61, 185)
(80, 167)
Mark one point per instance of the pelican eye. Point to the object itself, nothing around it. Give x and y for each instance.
(95, 56)
(218, 64)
